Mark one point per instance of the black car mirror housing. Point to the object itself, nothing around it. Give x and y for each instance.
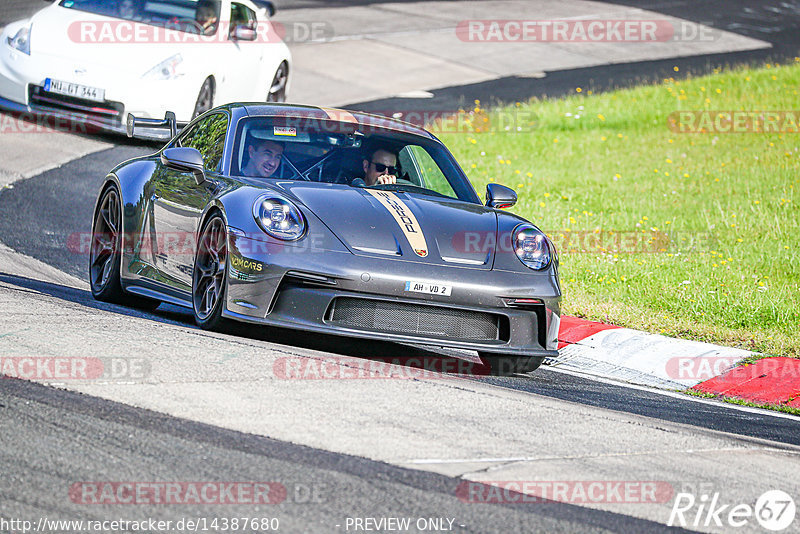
(185, 159)
(500, 196)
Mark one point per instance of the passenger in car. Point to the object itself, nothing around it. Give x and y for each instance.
(264, 158)
(207, 15)
(380, 167)
(129, 10)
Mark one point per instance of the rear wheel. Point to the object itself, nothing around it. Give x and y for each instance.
(277, 91)
(208, 278)
(506, 365)
(205, 99)
(106, 254)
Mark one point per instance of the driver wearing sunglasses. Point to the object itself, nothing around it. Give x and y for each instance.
(380, 168)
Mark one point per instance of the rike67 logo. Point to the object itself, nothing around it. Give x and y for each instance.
(774, 510)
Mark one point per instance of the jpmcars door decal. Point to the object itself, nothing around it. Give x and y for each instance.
(405, 219)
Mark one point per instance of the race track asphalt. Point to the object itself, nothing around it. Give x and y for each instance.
(49, 441)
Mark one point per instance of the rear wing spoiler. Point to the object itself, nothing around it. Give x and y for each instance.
(169, 122)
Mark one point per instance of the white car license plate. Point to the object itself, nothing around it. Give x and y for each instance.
(74, 89)
(416, 286)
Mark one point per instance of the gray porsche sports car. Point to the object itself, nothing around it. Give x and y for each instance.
(327, 221)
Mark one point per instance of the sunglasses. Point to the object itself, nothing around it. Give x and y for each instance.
(380, 167)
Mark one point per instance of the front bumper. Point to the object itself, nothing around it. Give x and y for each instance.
(22, 79)
(301, 288)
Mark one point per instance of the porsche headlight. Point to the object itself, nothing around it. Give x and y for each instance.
(279, 218)
(22, 40)
(166, 70)
(531, 247)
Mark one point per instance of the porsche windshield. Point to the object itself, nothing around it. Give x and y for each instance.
(191, 16)
(336, 153)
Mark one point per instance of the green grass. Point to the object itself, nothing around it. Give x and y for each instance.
(720, 212)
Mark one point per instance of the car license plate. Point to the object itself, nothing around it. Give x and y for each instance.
(416, 286)
(74, 89)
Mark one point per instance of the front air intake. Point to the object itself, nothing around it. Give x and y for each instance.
(415, 319)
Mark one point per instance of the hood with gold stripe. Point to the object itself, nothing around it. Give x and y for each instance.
(404, 225)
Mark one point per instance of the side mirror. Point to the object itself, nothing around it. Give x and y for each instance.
(500, 196)
(185, 159)
(243, 33)
(266, 4)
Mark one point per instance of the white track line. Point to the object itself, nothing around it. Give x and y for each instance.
(426, 461)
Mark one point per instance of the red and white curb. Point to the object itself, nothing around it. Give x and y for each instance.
(604, 350)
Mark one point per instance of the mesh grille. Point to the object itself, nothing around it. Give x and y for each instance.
(402, 318)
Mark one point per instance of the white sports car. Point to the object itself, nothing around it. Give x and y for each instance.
(98, 60)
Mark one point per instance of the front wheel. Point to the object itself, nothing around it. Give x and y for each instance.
(205, 99)
(277, 91)
(209, 276)
(507, 365)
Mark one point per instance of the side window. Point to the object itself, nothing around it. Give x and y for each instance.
(208, 136)
(423, 170)
(206, 16)
(409, 167)
(185, 138)
(242, 16)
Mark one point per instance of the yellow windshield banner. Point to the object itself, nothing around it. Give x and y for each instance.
(405, 220)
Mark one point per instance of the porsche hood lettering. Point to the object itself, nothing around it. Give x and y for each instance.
(405, 220)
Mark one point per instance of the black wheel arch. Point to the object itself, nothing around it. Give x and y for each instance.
(215, 207)
(110, 181)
